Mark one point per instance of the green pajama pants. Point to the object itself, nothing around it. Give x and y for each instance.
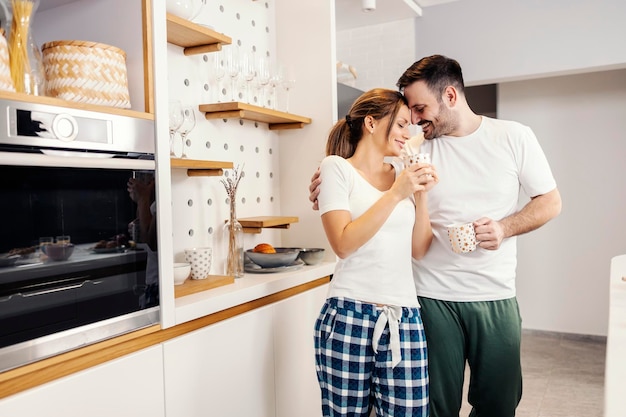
(486, 334)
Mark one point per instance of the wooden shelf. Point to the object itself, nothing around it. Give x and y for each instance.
(195, 39)
(277, 120)
(192, 286)
(198, 168)
(53, 101)
(255, 224)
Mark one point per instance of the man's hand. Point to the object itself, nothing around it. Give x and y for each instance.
(489, 233)
(314, 189)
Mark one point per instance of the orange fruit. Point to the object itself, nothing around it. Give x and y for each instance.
(264, 248)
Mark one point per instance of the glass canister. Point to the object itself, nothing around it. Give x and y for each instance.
(25, 58)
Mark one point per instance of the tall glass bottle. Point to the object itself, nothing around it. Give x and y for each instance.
(25, 59)
(233, 240)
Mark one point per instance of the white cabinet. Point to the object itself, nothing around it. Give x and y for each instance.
(260, 364)
(615, 374)
(297, 389)
(226, 369)
(128, 386)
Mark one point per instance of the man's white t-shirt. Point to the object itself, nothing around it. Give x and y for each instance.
(480, 175)
(380, 270)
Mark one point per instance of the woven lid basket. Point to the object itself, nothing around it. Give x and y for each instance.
(6, 82)
(86, 72)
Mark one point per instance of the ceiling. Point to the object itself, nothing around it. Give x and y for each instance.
(349, 14)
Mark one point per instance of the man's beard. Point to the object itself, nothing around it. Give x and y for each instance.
(442, 126)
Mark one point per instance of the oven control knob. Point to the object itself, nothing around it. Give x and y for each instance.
(64, 127)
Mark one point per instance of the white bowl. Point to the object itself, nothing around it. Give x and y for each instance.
(181, 272)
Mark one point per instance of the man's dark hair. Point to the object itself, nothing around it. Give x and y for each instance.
(437, 71)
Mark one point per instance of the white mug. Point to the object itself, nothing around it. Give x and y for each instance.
(200, 260)
(462, 237)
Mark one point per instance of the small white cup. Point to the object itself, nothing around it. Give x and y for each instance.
(415, 158)
(200, 260)
(462, 237)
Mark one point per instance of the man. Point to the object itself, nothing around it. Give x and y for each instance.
(468, 300)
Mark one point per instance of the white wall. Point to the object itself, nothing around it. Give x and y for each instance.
(563, 272)
(310, 45)
(380, 53)
(498, 40)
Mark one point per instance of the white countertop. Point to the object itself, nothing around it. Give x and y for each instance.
(615, 375)
(247, 288)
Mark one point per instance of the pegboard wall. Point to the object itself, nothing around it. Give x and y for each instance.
(199, 204)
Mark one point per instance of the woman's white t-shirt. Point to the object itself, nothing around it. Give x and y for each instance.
(380, 271)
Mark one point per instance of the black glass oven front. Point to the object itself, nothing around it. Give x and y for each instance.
(104, 278)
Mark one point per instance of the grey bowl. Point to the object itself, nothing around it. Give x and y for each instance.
(58, 251)
(312, 256)
(282, 257)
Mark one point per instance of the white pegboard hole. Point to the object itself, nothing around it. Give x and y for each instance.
(258, 174)
(258, 199)
(238, 16)
(186, 82)
(240, 121)
(209, 202)
(226, 146)
(243, 200)
(190, 202)
(271, 175)
(256, 149)
(205, 58)
(241, 148)
(210, 230)
(206, 87)
(222, 8)
(271, 151)
(253, 23)
(190, 232)
(227, 201)
(207, 144)
(272, 199)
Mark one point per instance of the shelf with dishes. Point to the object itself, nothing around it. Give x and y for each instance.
(200, 168)
(194, 38)
(277, 120)
(256, 224)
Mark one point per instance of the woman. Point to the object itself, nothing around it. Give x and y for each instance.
(370, 347)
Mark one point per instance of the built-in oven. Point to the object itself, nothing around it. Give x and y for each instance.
(74, 268)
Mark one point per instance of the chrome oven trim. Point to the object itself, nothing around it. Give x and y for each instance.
(44, 347)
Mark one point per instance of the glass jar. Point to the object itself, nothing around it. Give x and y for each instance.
(233, 241)
(25, 58)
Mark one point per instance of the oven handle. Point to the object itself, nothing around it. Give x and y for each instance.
(50, 290)
(65, 288)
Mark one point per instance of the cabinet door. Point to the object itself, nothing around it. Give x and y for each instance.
(226, 369)
(128, 386)
(297, 389)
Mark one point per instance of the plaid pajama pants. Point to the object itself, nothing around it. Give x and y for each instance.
(354, 377)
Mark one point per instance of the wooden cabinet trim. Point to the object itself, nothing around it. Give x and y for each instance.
(47, 370)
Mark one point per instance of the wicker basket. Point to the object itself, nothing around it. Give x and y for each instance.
(86, 72)
(6, 82)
